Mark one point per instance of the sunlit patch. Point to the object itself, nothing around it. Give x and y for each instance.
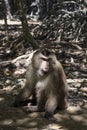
(55, 127)
(6, 122)
(73, 109)
(1, 99)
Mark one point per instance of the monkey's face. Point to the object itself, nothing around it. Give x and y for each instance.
(44, 67)
(43, 64)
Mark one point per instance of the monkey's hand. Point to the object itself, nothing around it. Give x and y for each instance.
(30, 108)
(27, 109)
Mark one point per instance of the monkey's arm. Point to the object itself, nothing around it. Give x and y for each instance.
(22, 97)
(28, 89)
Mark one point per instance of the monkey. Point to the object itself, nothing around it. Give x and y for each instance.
(46, 83)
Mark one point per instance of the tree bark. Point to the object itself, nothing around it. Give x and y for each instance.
(5, 19)
(9, 16)
(26, 30)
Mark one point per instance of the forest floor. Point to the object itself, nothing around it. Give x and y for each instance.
(11, 80)
(11, 118)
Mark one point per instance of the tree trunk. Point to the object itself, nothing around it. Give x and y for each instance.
(9, 16)
(26, 30)
(5, 19)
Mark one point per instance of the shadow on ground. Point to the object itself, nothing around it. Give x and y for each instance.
(74, 118)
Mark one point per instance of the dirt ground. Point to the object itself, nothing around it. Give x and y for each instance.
(74, 118)
(11, 118)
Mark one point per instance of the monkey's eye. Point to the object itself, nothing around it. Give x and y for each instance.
(45, 59)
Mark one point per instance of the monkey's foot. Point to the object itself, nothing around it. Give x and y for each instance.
(50, 117)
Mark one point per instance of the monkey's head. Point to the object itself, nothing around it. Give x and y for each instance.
(43, 61)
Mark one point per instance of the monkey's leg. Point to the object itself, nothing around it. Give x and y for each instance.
(50, 107)
(63, 104)
(34, 100)
(41, 99)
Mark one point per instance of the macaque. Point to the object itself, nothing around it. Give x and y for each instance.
(46, 83)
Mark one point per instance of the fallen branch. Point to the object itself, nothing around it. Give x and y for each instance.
(27, 56)
(5, 62)
(77, 80)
